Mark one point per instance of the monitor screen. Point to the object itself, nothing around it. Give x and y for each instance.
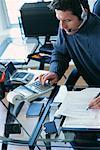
(38, 19)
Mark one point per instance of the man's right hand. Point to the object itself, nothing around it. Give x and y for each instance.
(50, 77)
(95, 103)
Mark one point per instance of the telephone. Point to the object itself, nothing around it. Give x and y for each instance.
(21, 76)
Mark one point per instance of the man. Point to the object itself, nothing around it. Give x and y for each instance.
(95, 103)
(78, 39)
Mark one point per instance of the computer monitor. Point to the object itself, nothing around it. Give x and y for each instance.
(38, 19)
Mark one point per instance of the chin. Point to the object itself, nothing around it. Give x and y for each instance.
(71, 33)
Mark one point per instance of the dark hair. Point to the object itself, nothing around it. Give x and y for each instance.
(85, 4)
(71, 5)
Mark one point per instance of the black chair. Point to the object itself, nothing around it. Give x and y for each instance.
(43, 54)
(72, 79)
(38, 20)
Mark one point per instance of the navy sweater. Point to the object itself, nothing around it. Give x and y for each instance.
(83, 48)
(96, 8)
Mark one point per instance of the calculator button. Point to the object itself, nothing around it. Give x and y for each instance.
(41, 87)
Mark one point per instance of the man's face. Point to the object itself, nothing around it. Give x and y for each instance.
(68, 21)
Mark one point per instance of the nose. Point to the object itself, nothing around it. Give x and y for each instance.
(63, 25)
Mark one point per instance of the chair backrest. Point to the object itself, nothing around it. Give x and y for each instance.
(47, 47)
(38, 19)
(72, 79)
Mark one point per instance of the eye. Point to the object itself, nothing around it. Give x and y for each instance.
(67, 20)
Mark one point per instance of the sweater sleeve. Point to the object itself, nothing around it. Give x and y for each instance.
(96, 8)
(60, 56)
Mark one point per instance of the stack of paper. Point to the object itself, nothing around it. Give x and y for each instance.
(74, 107)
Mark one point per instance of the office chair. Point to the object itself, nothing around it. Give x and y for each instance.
(44, 53)
(38, 20)
(72, 79)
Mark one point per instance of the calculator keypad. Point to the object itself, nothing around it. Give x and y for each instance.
(41, 87)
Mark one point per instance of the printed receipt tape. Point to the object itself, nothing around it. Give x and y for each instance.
(14, 97)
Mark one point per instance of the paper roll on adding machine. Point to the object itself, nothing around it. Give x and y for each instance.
(29, 92)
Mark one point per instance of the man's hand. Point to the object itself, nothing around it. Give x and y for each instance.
(95, 103)
(50, 77)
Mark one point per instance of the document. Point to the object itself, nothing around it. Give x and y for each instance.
(61, 94)
(81, 123)
(74, 107)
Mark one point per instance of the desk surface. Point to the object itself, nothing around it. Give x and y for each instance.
(28, 125)
(32, 128)
(13, 48)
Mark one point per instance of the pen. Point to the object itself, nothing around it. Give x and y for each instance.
(92, 105)
(88, 107)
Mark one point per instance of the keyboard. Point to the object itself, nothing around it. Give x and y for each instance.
(30, 92)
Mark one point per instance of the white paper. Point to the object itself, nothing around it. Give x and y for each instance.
(81, 123)
(75, 104)
(61, 94)
(14, 98)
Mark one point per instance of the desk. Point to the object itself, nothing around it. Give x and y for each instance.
(29, 129)
(10, 49)
(32, 131)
